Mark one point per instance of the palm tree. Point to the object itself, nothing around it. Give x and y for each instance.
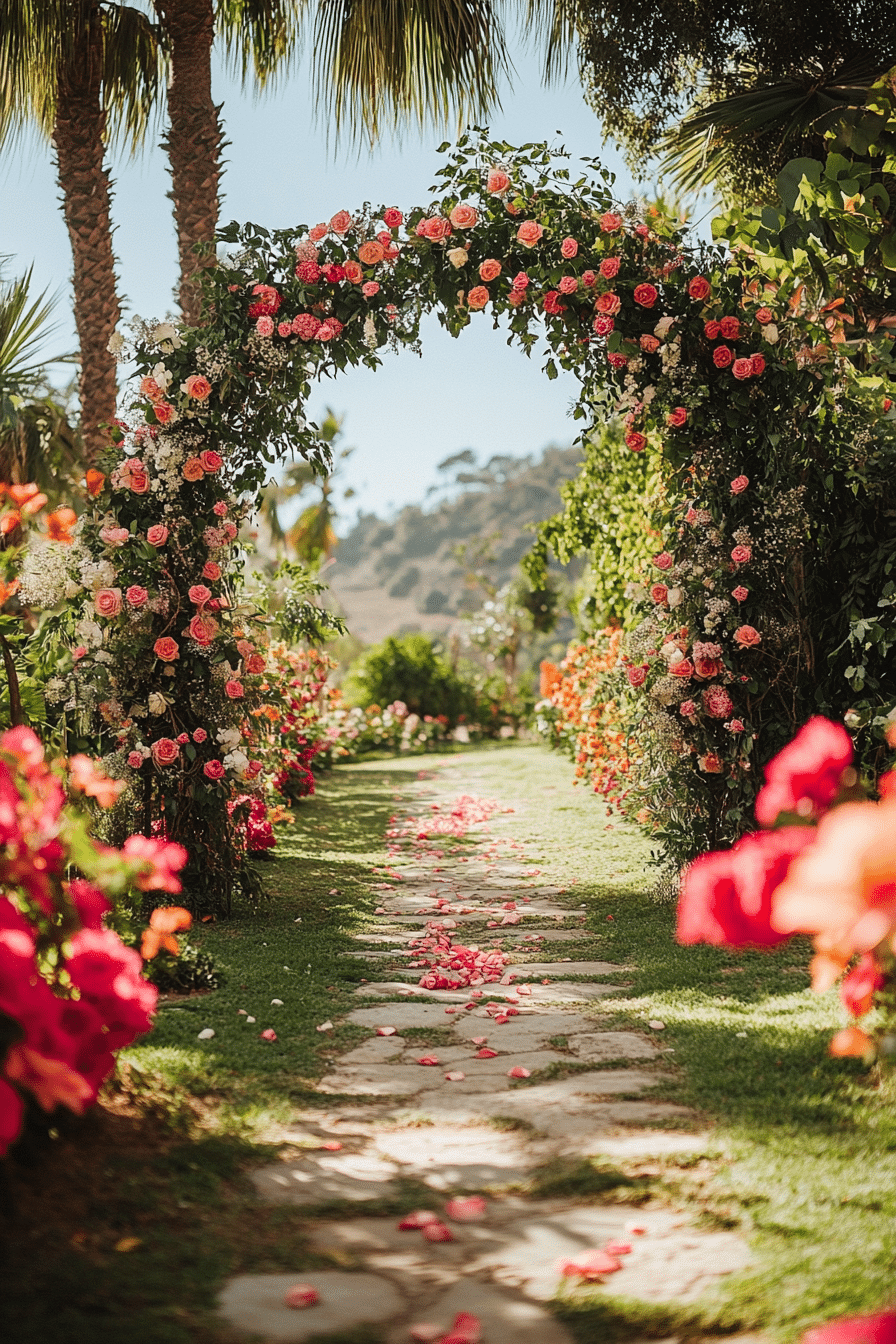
(312, 537)
(73, 68)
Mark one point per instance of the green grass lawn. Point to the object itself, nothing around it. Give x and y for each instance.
(802, 1154)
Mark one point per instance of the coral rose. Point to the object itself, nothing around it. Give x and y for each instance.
(699, 288)
(741, 555)
(193, 469)
(489, 270)
(649, 344)
(435, 228)
(392, 218)
(764, 316)
(610, 223)
(463, 216)
(199, 594)
(497, 182)
(636, 675)
(609, 267)
(664, 560)
(210, 461)
(150, 388)
(211, 571)
(569, 248)
(742, 369)
(758, 362)
(710, 764)
(551, 303)
(740, 594)
(683, 669)
(136, 596)
(711, 330)
(589, 278)
(354, 272)
(739, 484)
(341, 222)
(677, 418)
(529, 233)
(659, 592)
(746, 637)
(138, 481)
(730, 328)
(213, 770)
(603, 325)
(107, 602)
(234, 690)
(203, 629)
(166, 649)
(608, 303)
(568, 284)
(645, 295)
(255, 665)
(135, 760)
(635, 441)
(165, 751)
(370, 254)
(478, 297)
(722, 357)
(197, 387)
(369, 288)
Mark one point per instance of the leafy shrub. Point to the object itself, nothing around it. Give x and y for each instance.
(411, 669)
(191, 972)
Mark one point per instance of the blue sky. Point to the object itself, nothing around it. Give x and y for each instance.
(280, 169)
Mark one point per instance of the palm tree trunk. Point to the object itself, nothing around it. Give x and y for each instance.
(78, 137)
(194, 141)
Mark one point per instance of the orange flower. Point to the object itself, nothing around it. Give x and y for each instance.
(193, 469)
(370, 253)
(60, 524)
(7, 590)
(9, 522)
(21, 494)
(850, 1041)
(95, 482)
(50, 1081)
(34, 504)
(842, 888)
(164, 923)
(93, 783)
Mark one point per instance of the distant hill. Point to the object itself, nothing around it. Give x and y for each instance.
(390, 577)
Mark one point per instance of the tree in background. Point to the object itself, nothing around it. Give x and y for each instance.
(81, 72)
(312, 537)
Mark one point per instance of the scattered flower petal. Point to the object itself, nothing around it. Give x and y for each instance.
(590, 1266)
(301, 1295)
(205, 1034)
(386, 1031)
(269, 1034)
(466, 1209)
(420, 1218)
(324, 1026)
(437, 1232)
(455, 1076)
(519, 1072)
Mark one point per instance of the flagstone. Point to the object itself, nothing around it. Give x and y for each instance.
(458, 1158)
(314, 1179)
(408, 1014)
(254, 1303)
(524, 968)
(505, 1319)
(595, 1046)
(377, 1050)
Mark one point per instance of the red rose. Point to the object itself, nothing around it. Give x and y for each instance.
(699, 288)
(722, 357)
(332, 272)
(684, 668)
(758, 362)
(742, 369)
(730, 328)
(677, 418)
(645, 295)
(608, 304)
(267, 301)
(308, 272)
(726, 897)
(659, 592)
(635, 441)
(860, 986)
(711, 329)
(609, 267)
(603, 325)
(805, 777)
(306, 326)
(636, 675)
(740, 594)
(211, 461)
(764, 316)
(166, 649)
(616, 361)
(392, 218)
(551, 303)
(664, 560)
(255, 665)
(213, 770)
(741, 555)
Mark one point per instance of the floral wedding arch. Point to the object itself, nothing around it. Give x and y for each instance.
(733, 386)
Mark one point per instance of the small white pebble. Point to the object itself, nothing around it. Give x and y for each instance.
(324, 1026)
(655, 1025)
(205, 1034)
(276, 1003)
(298, 920)
(241, 1012)
(250, 1019)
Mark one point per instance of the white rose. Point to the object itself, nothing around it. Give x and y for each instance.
(458, 256)
(771, 334)
(165, 335)
(116, 343)
(162, 376)
(661, 330)
(674, 596)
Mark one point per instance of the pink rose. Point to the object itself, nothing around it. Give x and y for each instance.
(203, 629)
(711, 329)
(730, 328)
(267, 301)
(211, 461)
(369, 288)
(150, 388)
(79, 653)
(107, 602)
(746, 637)
(306, 326)
(199, 735)
(645, 295)
(659, 592)
(199, 594)
(740, 594)
(588, 278)
(699, 288)
(135, 760)
(165, 751)
(568, 284)
(722, 357)
(244, 648)
(736, 726)
(610, 223)
(687, 708)
(139, 480)
(435, 228)
(211, 571)
(717, 702)
(635, 441)
(197, 387)
(739, 484)
(136, 596)
(758, 362)
(664, 560)
(603, 325)
(529, 233)
(319, 231)
(617, 361)
(742, 369)
(114, 536)
(489, 270)
(220, 509)
(213, 770)
(569, 248)
(516, 297)
(497, 182)
(649, 344)
(393, 218)
(636, 675)
(521, 281)
(157, 535)
(265, 326)
(609, 267)
(166, 649)
(341, 222)
(764, 316)
(677, 418)
(229, 530)
(741, 554)
(463, 216)
(234, 690)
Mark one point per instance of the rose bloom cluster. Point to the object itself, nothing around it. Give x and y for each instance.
(824, 866)
(71, 993)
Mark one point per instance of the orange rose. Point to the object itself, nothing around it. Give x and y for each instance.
(353, 272)
(95, 482)
(341, 222)
(197, 387)
(490, 270)
(371, 253)
(193, 470)
(463, 216)
(529, 233)
(478, 297)
(166, 649)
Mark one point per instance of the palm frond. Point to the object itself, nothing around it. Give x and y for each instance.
(134, 67)
(378, 61)
(551, 26)
(262, 38)
(698, 151)
(23, 328)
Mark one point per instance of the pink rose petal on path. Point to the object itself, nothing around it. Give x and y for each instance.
(618, 1248)
(466, 1210)
(269, 1034)
(590, 1265)
(301, 1295)
(479, 1040)
(420, 1218)
(519, 1072)
(385, 1031)
(524, 989)
(332, 1146)
(636, 1229)
(455, 1076)
(467, 1329)
(428, 1060)
(501, 1018)
(425, 1334)
(437, 1232)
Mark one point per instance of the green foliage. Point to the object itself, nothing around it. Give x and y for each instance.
(191, 972)
(606, 516)
(410, 668)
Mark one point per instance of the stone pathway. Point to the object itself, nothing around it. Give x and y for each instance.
(468, 1084)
